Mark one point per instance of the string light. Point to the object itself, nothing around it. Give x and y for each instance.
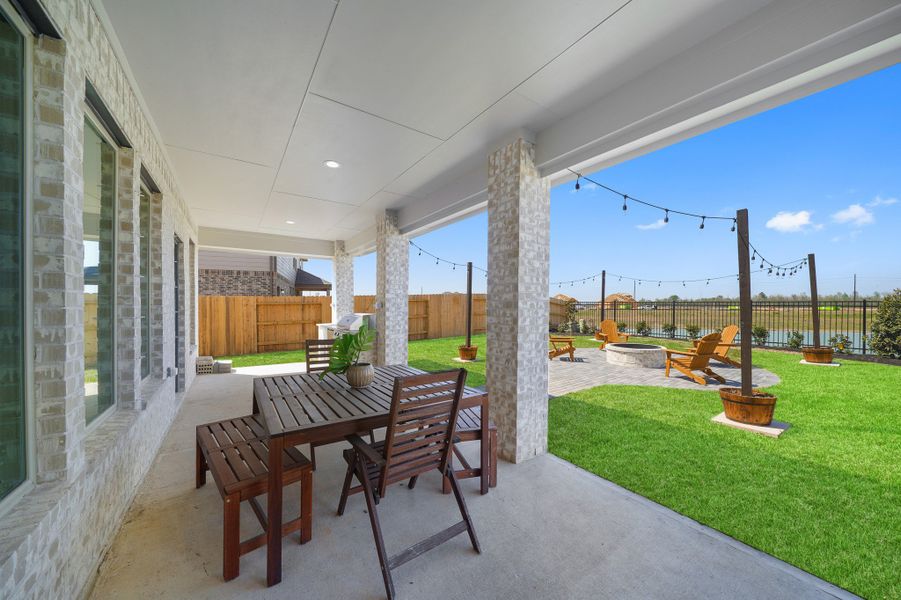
(578, 187)
(438, 260)
(702, 222)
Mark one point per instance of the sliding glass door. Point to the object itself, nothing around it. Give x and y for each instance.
(99, 274)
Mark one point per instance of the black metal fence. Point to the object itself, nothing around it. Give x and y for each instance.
(778, 324)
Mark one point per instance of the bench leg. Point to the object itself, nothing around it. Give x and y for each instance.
(231, 542)
(306, 507)
(200, 467)
(445, 482)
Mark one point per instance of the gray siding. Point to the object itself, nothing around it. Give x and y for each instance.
(233, 261)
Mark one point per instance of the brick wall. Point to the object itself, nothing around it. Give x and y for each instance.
(53, 537)
(220, 282)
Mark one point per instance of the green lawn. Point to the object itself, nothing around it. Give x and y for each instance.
(826, 496)
(266, 358)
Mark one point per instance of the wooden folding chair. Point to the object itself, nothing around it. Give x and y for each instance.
(721, 353)
(562, 345)
(610, 334)
(688, 361)
(419, 438)
(318, 352)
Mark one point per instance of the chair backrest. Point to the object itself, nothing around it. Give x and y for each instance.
(727, 336)
(704, 351)
(608, 328)
(318, 354)
(421, 424)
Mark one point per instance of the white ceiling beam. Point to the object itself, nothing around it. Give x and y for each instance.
(264, 243)
(755, 59)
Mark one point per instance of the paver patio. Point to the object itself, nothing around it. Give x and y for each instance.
(601, 542)
(591, 369)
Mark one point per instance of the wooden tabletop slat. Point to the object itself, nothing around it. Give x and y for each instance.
(306, 408)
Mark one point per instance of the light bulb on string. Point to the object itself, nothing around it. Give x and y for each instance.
(702, 222)
(625, 206)
(578, 187)
(666, 216)
(733, 226)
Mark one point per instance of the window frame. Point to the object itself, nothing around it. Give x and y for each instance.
(97, 123)
(27, 249)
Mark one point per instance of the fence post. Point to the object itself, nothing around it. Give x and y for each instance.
(863, 339)
(674, 317)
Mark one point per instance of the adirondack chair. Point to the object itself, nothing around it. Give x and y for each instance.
(562, 345)
(609, 334)
(721, 354)
(689, 361)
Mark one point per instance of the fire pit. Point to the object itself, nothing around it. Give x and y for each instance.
(648, 356)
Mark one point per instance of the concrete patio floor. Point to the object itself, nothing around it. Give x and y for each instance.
(549, 530)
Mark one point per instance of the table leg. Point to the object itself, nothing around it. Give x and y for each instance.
(274, 505)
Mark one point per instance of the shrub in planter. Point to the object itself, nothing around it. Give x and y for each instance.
(886, 337)
(760, 334)
(669, 330)
(693, 331)
(642, 328)
(621, 326)
(795, 340)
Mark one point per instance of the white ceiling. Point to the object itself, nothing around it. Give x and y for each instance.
(409, 95)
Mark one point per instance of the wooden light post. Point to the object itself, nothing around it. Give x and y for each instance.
(468, 352)
(603, 294)
(744, 298)
(745, 404)
(816, 353)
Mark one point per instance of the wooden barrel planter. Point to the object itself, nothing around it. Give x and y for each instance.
(752, 410)
(468, 352)
(817, 355)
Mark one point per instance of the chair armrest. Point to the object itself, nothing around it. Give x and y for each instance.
(685, 352)
(365, 449)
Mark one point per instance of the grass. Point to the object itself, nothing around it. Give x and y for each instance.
(266, 358)
(826, 496)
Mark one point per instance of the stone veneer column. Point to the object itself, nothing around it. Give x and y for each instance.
(392, 281)
(58, 278)
(128, 280)
(343, 298)
(518, 255)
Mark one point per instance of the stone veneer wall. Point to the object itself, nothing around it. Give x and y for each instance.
(54, 536)
(343, 265)
(517, 306)
(392, 281)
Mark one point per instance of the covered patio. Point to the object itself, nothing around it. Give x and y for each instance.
(549, 530)
(332, 130)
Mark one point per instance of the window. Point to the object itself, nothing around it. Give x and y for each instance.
(99, 218)
(13, 431)
(145, 237)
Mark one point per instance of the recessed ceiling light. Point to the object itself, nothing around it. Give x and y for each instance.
(290, 222)
(332, 164)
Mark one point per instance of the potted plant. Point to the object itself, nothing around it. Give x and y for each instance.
(756, 409)
(817, 354)
(468, 352)
(344, 358)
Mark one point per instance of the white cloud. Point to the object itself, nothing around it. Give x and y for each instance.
(880, 201)
(855, 214)
(658, 224)
(790, 222)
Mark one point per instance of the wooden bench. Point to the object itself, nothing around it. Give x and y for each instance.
(236, 452)
(562, 345)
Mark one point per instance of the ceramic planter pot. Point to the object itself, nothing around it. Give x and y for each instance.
(468, 352)
(360, 375)
(756, 409)
(817, 355)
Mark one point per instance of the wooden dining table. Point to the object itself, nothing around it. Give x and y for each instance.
(302, 408)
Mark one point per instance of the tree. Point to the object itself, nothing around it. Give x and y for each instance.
(761, 296)
(886, 337)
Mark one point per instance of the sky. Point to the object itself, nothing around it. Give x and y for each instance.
(821, 174)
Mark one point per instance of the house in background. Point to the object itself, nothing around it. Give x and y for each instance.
(227, 273)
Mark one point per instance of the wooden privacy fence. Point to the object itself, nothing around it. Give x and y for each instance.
(435, 315)
(230, 325)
